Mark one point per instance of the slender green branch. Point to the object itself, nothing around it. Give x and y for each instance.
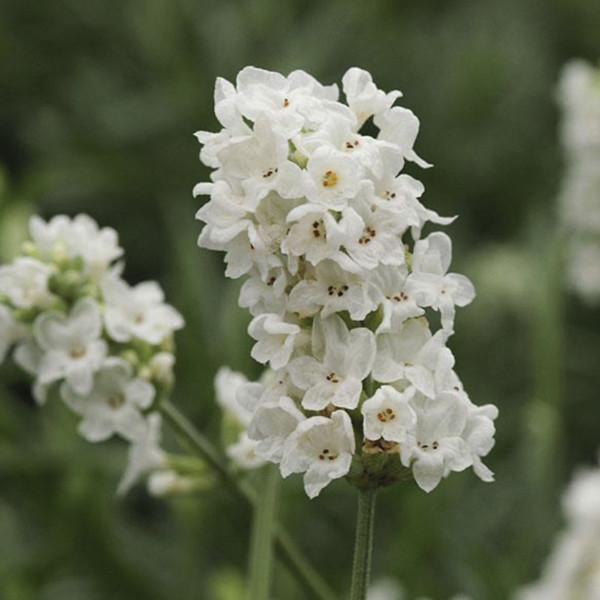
(308, 577)
(263, 527)
(363, 545)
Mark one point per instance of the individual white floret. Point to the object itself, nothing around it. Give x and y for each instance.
(431, 282)
(227, 214)
(63, 237)
(260, 162)
(272, 424)
(335, 178)
(314, 235)
(436, 446)
(330, 290)
(137, 312)
(145, 454)
(265, 294)
(400, 126)
(227, 384)
(388, 415)
(322, 449)
(114, 403)
(161, 367)
(362, 95)
(334, 376)
(371, 234)
(400, 194)
(410, 352)
(71, 345)
(397, 301)
(275, 339)
(287, 101)
(479, 436)
(25, 283)
(243, 452)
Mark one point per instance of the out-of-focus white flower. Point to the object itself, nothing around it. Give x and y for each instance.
(243, 452)
(63, 237)
(113, 404)
(138, 312)
(579, 199)
(25, 283)
(71, 345)
(168, 482)
(322, 449)
(573, 569)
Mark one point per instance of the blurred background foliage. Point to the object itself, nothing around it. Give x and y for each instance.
(98, 104)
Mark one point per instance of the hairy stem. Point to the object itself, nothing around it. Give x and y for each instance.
(307, 576)
(363, 545)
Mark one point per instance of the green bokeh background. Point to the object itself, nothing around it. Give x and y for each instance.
(98, 104)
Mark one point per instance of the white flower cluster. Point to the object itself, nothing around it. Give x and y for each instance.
(316, 214)
(573, 570)
(78, 327)
(579, 96)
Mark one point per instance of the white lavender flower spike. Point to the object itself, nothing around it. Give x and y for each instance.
(319, 218)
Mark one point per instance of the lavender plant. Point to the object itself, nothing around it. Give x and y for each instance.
(319, 219)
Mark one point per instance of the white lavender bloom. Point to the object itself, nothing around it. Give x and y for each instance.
(321, 220)
(573, 569)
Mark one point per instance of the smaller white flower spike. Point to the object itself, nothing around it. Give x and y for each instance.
(322, 449)
(77, 328)
(315, 213)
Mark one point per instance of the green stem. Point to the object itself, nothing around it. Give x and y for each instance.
(263, 527)
(363, 545)
(308, 577)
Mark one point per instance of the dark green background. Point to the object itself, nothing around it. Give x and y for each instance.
(98, 104)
